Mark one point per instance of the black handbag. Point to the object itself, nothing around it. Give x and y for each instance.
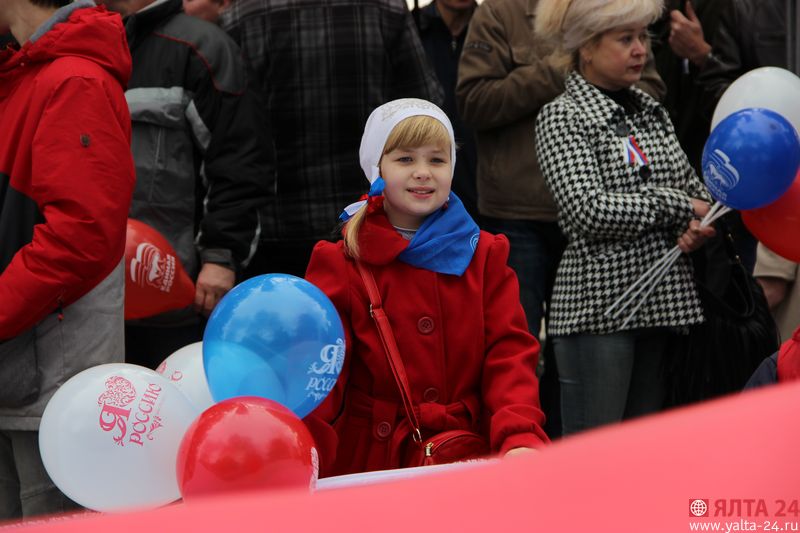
(718, 356)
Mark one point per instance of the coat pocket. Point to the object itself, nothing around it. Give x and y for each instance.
(20, 377)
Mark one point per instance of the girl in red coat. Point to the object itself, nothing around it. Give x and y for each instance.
(452, 301)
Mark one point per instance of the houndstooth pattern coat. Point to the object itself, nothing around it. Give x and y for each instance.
(619, 214)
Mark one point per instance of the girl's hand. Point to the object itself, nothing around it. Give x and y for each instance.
(520, 451)
(695, 237)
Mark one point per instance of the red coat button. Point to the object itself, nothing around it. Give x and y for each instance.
(425, 325)
(431, 395)
(384, 429)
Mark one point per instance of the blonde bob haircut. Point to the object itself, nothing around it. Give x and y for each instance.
(412, 132)
(570, 24)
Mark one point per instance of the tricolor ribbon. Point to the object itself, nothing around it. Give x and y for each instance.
(375, 190)
(632, 153)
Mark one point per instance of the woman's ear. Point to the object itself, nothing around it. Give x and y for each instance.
(585, 53)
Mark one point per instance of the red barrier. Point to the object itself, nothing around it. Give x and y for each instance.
(739, 456)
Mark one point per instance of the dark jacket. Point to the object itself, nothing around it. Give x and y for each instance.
(443, 51)
(321, 67)
(685, 97)
(204, 158)
(751, 34)
(5, 40)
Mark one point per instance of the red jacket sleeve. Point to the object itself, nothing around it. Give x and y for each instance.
(327, 269)
(82, 178)
(510, 388)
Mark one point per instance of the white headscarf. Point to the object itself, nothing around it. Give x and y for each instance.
(383, 120)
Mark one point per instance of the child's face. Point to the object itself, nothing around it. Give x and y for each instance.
(417, 183)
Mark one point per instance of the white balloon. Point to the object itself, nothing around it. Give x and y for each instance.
(109, 437)
(185, 369)
(770, 88)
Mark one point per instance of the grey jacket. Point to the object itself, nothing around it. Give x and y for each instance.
(90, 333)
(202, 150)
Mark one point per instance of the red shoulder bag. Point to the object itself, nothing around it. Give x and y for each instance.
(445, 447)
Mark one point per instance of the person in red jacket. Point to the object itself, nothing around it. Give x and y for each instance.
(780, 367)
(452, 301)
(66, 178)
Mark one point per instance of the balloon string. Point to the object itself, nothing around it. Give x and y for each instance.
(655, 274)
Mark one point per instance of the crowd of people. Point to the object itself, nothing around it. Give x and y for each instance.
(525, 162)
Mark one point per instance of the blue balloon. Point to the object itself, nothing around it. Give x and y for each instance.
(276, 336)
(751, 158)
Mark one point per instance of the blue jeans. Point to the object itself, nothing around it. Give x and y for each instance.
(608, 378)
(536, 249)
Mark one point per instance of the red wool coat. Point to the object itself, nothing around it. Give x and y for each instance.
(464, 341)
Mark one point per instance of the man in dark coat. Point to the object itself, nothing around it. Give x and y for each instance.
(204, 160)
(750, 34)
(321, 67)
(681, 48)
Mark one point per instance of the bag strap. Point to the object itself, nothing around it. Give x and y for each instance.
(390, 347)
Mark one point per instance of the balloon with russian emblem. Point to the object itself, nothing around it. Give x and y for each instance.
(109, 437)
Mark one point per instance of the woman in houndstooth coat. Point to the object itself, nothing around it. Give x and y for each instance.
(626, 194)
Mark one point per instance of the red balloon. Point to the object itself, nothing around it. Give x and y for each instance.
(155, 280)
(777, 225)
(246, 443)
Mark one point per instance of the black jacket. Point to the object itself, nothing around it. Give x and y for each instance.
(204, 159)
(5, 40)
(685, 99)
(751, 34)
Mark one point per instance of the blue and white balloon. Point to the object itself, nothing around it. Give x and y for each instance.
(751, 158)
(275, 336)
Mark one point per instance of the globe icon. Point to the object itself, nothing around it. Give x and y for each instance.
(698, 508)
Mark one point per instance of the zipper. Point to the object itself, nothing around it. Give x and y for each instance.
(429, 449)
(429, 446)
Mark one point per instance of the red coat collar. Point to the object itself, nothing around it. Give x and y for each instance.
(378, 242)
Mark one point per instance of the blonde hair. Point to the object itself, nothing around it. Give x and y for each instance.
(570, 24)
(412, 132)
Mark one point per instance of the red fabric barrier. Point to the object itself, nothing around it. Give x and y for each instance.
(639, 476)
